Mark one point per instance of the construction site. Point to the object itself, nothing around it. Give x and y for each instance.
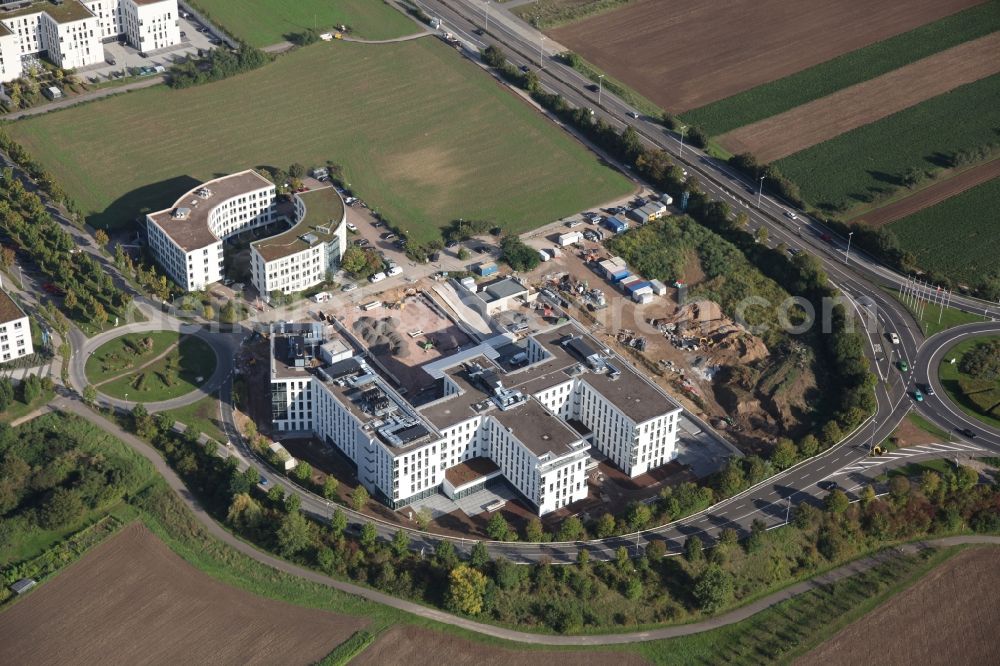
(711, 363)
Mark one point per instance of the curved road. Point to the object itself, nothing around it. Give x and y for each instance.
(732, 617)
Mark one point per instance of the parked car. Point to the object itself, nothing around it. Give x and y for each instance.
(394, 271)
(350, 286)
(451, 244)
(388, 236)
(351, 226)
(361, 242)
(573, 223)
(378, 277)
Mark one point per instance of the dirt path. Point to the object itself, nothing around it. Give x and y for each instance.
(144, 365)
(659, 48)
(931, 195)
(825, 118)
(949, 617)
(132, 600)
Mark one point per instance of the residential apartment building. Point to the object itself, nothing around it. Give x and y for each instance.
(15, 331)
(72, 32)
(186, 239)
(530, 411)
(304, 255)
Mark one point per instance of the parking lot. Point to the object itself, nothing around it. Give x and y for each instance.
(118, 55)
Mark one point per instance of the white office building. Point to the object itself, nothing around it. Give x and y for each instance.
(71, 32)
(529, 411)
(309, 251)
(15, 331)
(187, 238)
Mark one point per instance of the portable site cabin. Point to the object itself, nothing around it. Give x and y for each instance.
(616, 224)
(486, 269)
(569, 238)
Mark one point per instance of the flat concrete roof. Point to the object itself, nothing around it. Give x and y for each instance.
(9, 310)
(324, 213)
(538, 429)
(192, 232)
(502, 288)
(66, 12)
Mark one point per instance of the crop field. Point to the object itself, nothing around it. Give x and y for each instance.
(132, 600)
(864, 64)
(932, 195)
(264, 22)
(695, 53)
(957, 237)
(951, 611)
(858, 164)
(424, 137)
(408, 645)
(828, 117)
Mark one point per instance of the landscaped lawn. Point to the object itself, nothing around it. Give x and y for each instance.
(180, 371)
(957, 237)
(202, 416)
(423, 135)
(950, 376)
(856, 164)
(263, 22)
(928, 320)
(122, 354)
(864, 64)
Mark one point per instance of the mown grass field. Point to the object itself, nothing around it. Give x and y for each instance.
(183, 369)
(203, 416)
(950, 376)
(263, 22)
(424, 137)
(957, 237)
(776, 97)
(859, 163)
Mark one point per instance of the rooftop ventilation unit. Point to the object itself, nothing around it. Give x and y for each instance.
(181, 213)
(309, 238)
(204, 192)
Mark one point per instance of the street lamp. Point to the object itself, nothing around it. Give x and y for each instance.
(126, 402)
(760, 191)
(600, 88)
(683, 130)
(487, 16)
(847, 254)
(541, 54)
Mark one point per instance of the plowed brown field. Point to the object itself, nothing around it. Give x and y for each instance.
(683, 55)
(823, 119)
(133, 601)
(932, 195)
(422, 647)
(949, 617)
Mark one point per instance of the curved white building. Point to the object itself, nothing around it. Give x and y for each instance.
(302, 256)
(186, 239)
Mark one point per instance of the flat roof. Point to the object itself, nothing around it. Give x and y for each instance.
(324, 213)
(502, 288)
(469, 470)
(538, 429)
(192, 232)
(66, 12)
(9, 310)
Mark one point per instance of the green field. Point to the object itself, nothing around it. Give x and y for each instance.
(957, 237)
(776, 97)
(950, 377)
(125, 352)
(203, 416)
(263, 22)
(423, 135)
(183, 369)
(860, 163)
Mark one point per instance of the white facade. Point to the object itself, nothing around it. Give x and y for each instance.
(524, 433)
(15, 331)
(186, 239)
(72, 32)
(303, 256)
(150, 25)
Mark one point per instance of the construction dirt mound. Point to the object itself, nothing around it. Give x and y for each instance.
(721, 339)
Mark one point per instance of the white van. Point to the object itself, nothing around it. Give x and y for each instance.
(395, 270)
(321, 297)
(378, 277)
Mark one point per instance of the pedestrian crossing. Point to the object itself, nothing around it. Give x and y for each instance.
(924, 450)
